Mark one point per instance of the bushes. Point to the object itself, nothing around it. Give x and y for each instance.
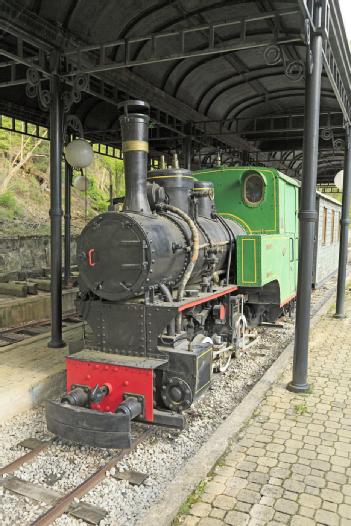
(9, 207)
(99, 199)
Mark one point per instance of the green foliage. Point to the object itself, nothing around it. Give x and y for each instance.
(192, 499)
(24, 181)
(115, 167)
(99, 198)
(301, 409)
(8, 200)
(9, 207)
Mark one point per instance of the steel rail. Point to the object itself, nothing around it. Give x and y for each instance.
(10, 468)
(63, 504)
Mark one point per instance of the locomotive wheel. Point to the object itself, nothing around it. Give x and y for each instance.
(239, 324)
(176, 394)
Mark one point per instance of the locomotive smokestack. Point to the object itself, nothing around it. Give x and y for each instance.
(134, 123)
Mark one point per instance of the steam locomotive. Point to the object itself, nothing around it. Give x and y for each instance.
(157, 287)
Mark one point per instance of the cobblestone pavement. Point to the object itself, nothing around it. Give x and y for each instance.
(291, 463)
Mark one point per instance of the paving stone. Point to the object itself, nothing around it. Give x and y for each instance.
(270, 490)
(320, 465)
(327, 517)
(256, 452)
(286, 506)
(217, 513)
(208, 497)
(299, 520)
(332, 496)
(236, 518)
(224, 502)
(190, 520)
(294, 486)
(317, 482)
(282, 517)
(258, 478)
(286, 457)
(253, 486)
(301, 469)
(261, 512)
(306, 453)
(340, 461)
(290, 495)
(210, 521)
(287, 468)
(268, 462)
(279, 473)
(306, 512)
(243, 506)
(215, 488)
(336, 477)
(247, 466)
(345, 511)
(245, 495)
(200, 509)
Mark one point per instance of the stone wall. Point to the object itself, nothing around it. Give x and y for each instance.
(27, 253)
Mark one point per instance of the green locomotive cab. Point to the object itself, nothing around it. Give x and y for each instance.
(264, 202)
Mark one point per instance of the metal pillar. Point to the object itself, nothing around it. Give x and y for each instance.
(344, 228)
(308, 214)
(56, 132)
(67, 236)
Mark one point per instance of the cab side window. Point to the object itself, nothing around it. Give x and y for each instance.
(253, 189)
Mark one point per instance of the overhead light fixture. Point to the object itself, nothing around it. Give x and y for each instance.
(339, 179)
(81, 182)
(79, 153)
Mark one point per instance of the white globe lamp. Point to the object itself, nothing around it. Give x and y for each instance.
(79, 153)
(81, 183)
(338, 180)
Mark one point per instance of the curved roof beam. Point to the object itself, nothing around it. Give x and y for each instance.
(73, 8)
(216, 84)
(189, 70)
(236, 84)
(283, 93)
(170, 23)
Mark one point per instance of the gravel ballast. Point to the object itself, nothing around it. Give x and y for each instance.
(63, 466)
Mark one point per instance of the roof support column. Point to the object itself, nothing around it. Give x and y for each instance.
(308, 214)
(56, 133)
(67, 237)
(344, 228)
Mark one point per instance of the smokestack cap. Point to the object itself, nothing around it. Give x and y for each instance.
(128, 107)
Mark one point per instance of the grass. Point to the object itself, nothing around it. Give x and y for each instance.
(8, 200)
(192, 499)
(301, 409)
(9, 207)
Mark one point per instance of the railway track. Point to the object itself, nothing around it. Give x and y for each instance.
(20, 333)
(69, 502)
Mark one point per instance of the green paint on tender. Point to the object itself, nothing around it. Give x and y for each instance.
(269, 250)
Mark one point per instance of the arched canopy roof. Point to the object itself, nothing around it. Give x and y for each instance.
(228, 73)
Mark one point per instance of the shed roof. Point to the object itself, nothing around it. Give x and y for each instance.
(229, 73)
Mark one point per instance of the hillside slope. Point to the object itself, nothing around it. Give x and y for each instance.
(25, 190)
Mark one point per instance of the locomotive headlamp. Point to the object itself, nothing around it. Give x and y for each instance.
(339, 179)
(79, 153)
